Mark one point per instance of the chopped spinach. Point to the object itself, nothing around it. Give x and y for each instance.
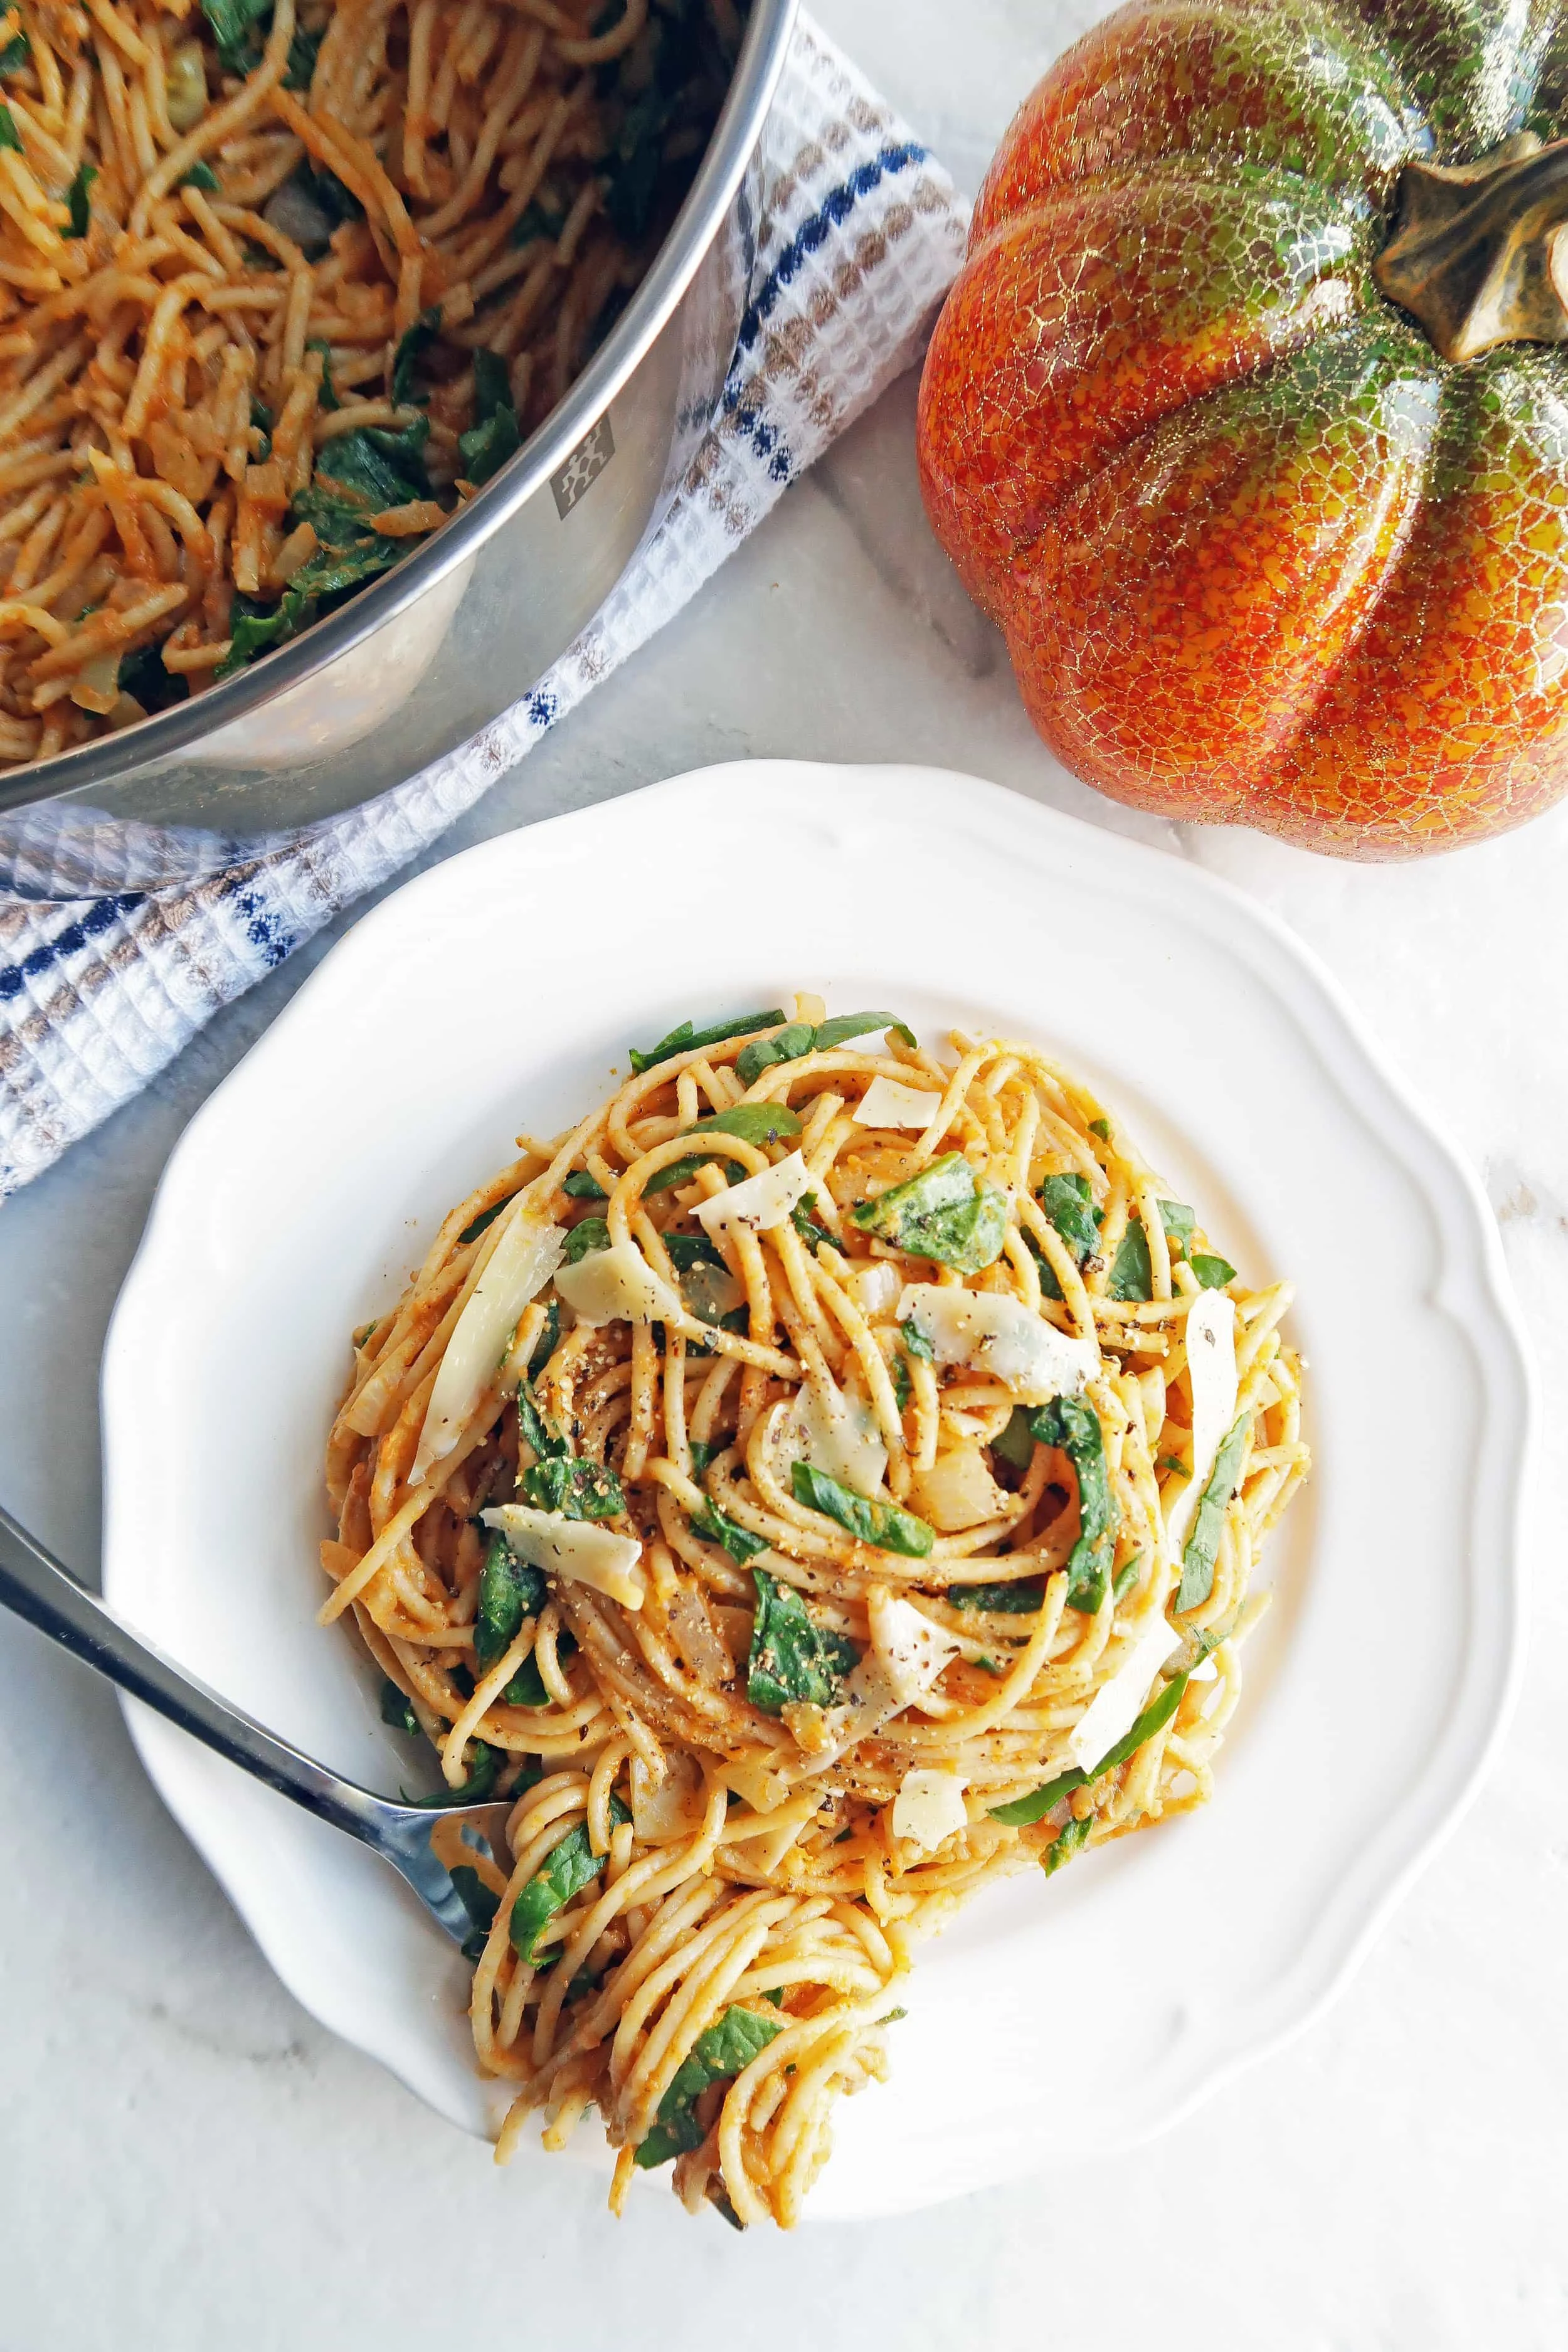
(1017, 1443)
(200, 175)
(1069, 1204)
(701, 1456)
(526, 1687)
(812, 1234)
(578, 1490)
(902, 1384)
(787, 1045)
(844, 1025)
(882, 1524)
(792, 1660)
(916, 1342)
(1132, 1273)
(303, 51)
(143, 677)
(479, 1902)
(372, 466)
(1178, 1221)
(484, 1218)
(588, 1234)
(397, 1710)
(328, 392)
(757, 1123)
(234, 29)
(1072, 1834)
(1101, 1126)
(483, 1765)
(1202, 1547)
(9, 135)
(1023, 1811)
(537, 220)
(78, 199)
(1003, 1600)
(580, 1186)
(1072, 1423)
(535, 1430)
(741, 1545)
(1213, 1273)
(14, 54)
(686, 1039)
(570, 1868)
(509, 1591)
(548, 1339)
(942, 1213)
(1126, 1577)
(689, 1250)
(718, 2055)
(412, 345)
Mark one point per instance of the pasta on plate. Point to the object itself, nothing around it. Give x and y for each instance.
(282, 284)
(826, 1478)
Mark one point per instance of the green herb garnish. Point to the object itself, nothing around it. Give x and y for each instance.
(485, 1217)
(942, 1213)
(812, 1234)
(1017, 1443)
(509, 1590)
(495, 435)
(1003, 1600)
(1213, 1273)
(738, 1542)
(1072, 1834)
(882, 1524)
(801, 1038)
(793, 1661)
(686, 1039)
(718, 2055)
(580, 1186)
(589, 1234)
(9, 135)
(1202, 1547)
(78, 199)
(479, 1904)
(14, 54)
(570, 1868)
(578, 1490)
(200, 175)
(1024, 1811)
(1072, 1423)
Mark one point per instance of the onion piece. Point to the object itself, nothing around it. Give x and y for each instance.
(957, 1491)
(521, 1264)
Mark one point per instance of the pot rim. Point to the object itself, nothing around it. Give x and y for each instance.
(735, 135)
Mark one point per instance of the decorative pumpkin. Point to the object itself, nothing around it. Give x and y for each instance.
(1245, 417)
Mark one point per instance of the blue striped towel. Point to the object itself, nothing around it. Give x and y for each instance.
(861, 233)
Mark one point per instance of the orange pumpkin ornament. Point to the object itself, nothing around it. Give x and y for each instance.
(1246, 417)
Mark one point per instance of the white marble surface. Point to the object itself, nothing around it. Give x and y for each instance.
(187, 2158)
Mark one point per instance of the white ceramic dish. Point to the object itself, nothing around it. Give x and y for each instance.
(466, 1007)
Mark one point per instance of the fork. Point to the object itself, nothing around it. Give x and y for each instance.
(37, 1588)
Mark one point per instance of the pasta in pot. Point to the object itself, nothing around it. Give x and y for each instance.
(282, 283)
(826, 1478)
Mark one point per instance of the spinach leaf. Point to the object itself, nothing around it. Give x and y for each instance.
(689, 1250)
(14, 54)
(9, 135)
(792, 1660)
(1126, 1577)
(718, 2055)
(681, 1171)
(788, 1045)
(685, 1039)
(580, 1186)
(537, 220)
(1072, 1834)
(1017, 1443)
(738, 1542)
(701, 1456)
(812, 1234)
(1004, 1599)
(1213, 1273)
(261, 417)
(844, 1025)
(254, 629)
(495, 433)
(200, 175)
(328, 392)
(143, 676)
(1178, 1221)
(572, 1866)
(1202, 1547)
(578, 1490)
(397, 1710)
(479, 1904)
(942, 1213)
(548, 1339)
(1069, 1202)
(303, 51)
(526, 1687)
(1072, 1423)
(902, 1385)
(411, 347)
(915, 1341)
(483, 1766)
(80, 201)
(882, 1524)
(372, 466)
(1101, 1126)
(485, 1217)
(1023, 1811)
(233, 24)
(1131, 1273)
(509, 1591)
(588, 1234)
(757, 1123)
(534, 1428)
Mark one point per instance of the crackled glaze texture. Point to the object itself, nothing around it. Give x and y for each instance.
(1259, 553)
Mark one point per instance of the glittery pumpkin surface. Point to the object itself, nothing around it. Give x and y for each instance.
(1260, 555)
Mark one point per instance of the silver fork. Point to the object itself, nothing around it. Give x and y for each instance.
(33, 1584)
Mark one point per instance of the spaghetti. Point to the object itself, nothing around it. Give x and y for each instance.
(826, 1479)
(280, 286)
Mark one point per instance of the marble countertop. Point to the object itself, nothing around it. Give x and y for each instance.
(188, 2158)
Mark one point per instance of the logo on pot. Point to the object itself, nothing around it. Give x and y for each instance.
(584, 466)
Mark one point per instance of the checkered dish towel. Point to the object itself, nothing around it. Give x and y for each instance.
(861, 233)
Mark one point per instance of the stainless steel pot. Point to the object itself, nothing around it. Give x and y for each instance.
(432, 651)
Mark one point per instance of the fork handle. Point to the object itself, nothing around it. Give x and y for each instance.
(33, 1584)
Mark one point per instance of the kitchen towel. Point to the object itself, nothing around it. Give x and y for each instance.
(861, 233)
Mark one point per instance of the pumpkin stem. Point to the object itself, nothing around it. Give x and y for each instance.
(1475, 256)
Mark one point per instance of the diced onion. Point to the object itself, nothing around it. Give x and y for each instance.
(1213, 1381)
(929, 1807)
(837, 1433)
(521, 1264)
(763, 1199)
(957, 1491)
(1114, 1709)
(887, 1102)
(617, 1285)
(578, 1549)
(994, 1333)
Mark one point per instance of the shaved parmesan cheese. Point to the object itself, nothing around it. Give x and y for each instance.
(617, 1285)
(887, 1102)
(837, 1433)
(1212, 1377)
(519, 1266)
(582, 1550)
(763, 1199)
(875, 1284)
(957, 1491)
(929, 1807)
(994, 1333)
(1114, 1709)
(910, 1650)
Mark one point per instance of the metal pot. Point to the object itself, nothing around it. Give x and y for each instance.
(427, 654)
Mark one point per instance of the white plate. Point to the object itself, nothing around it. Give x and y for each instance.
(499, 991)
